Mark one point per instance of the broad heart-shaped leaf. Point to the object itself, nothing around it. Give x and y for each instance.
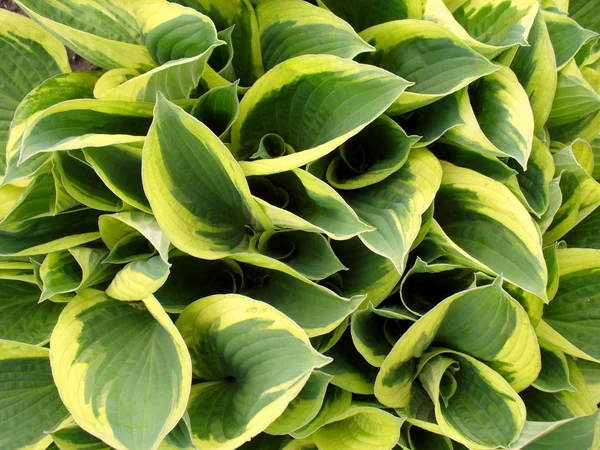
(247, 62)
(297, 200)
(229, 405)
(576, 107)
(501, 336)
(192, 278)
(76, 124)
(66, 271)
(91, 26)
(218, 109)
(504, 114)
(486, 26)
(363, 14)
(48, 234)
(326, 100)
(488, 225)
(368, 273)
(31, 55)
(320, 311)
(567, 36)
(115, 227)
(359, 428)
(570, 320)
(139, 279)
(120, 169)
(535, 67)
(22, 319)
(62, 87)
(28, 397)
(304, 407)
(533, 184)
(425, 285)
(291, 28)
(197, 191)
(104, 353)
(371, 156)
(394, 206)
(427, 54)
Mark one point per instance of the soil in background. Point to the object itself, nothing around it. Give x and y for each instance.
(78, 64)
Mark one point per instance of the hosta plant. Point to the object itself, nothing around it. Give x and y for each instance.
(288, 224)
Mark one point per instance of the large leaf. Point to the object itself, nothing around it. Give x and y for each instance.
(91, 26)
(488, 224)
(318, 122)
(197, 191)
(28, 397)
(427, 54)
(229, 406)
(31, 55)
(143, 350)
(363, 14)
(291, 28)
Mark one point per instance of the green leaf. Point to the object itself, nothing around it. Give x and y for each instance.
(427, 54)
(575, 310)
(197, 191)
(363, 14)
(591, 374)
(554, 376)
(95, 333)
(371, 156)
(318, 122)
(29, 397)
(139, 279)
(91, 27)
(487, 224)
(290, 28)
(567, 36)
(218, 109)
(298, 200)
(535, 67)
(568, 204)
(395, 206)
(31, 55)
(578, 434)
(585, 233)
(228, 407)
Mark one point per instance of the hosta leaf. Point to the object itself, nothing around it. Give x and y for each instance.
(197, 191)
(95, 333)
(443, 65)
(591, 375)
(585, 233)
(578, 434)
(395, 205)
(298, 200)
(535, 67)
(321, 309)
(504, 114)
(554, 376)
(247, 62)
(486, 26)
(363, 14)
(303, 408)
(192, 278)
(576, 107)
(29, 397)
(372, 155)
(22, 319)
(139, 279)
(368, 273)
(72, 437)
(66, 86)
(565, 215)
(501, 336)
(115, 227)
(48, 234)
(218, 109)
(574, 311)
(487, 222)
(31, 55)
(120, 169)
(92, 26)
(567, 36)
(75, 124)
(290, 28)
(359, 428)
(315, 122)
(228, 407)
